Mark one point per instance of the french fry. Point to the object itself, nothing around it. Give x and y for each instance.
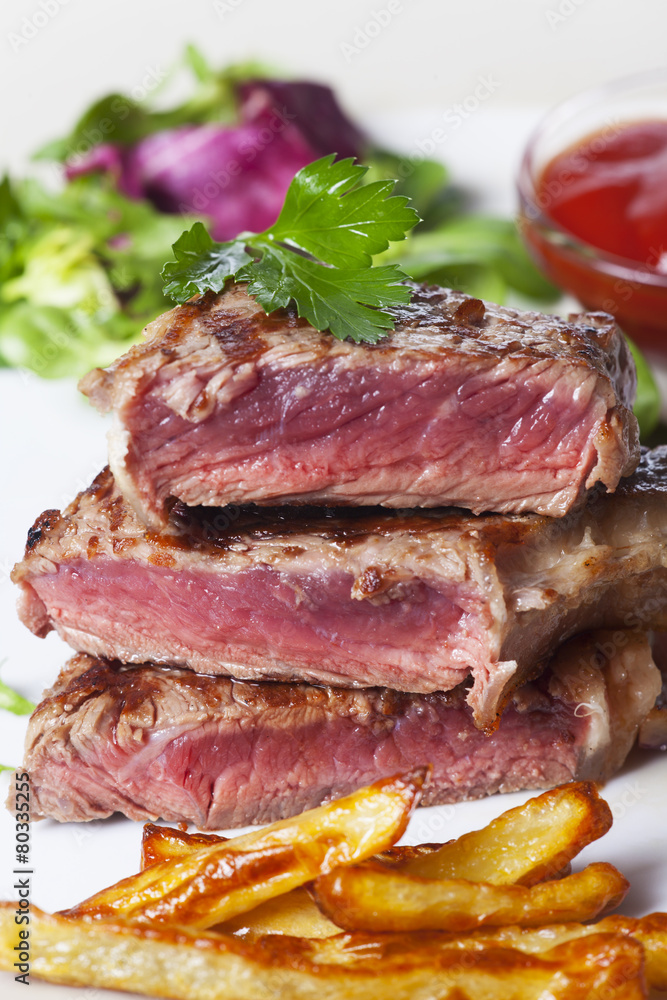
(163, 843)
(369, 898)
(295, 913)
(182, 963)
(418, 942)
(221, 880)
(650, 931)
(524, 845)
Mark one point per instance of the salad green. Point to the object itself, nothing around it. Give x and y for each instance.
(11, 701)
(79, 273)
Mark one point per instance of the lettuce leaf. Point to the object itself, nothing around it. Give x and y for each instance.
(647, 403)
(14, 702)
(481, 255)
(79, 274)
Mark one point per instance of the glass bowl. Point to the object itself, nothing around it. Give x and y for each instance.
(635, 293)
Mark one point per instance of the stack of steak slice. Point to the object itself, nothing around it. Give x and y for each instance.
(239, 663)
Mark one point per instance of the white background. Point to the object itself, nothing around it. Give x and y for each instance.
(431, 53)
(430, 56)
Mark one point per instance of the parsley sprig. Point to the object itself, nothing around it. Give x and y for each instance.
(318, 254)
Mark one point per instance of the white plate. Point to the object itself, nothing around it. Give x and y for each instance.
(51, 446)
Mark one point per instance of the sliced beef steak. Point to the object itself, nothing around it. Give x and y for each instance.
(466, 403)
(412, 600)
(156, 742)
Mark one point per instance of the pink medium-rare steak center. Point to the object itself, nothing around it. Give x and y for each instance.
(413, 600)
(395, 436)
(307, 625)
(162, 742)
(464, 403)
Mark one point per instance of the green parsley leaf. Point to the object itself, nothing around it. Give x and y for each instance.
(13, 702)
(6, 767)
(202, 264)
(330, 298)
(340, 226)
(318, 254)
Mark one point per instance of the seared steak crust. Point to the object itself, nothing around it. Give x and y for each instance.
(156, 742)
(412, 600)
(465, 403)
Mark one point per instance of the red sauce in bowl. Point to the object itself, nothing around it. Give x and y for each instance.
(611, 192)
(595, 220)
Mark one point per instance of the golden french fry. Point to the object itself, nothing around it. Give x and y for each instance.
(181, 963)
(370, 898)
(650, 931)
(295, 913)
(164, 843)
(524, 845)
(220, 881)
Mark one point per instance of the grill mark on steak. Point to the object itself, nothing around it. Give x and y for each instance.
(464, 403)
(162, 742)
(415, 601)
(244, 339)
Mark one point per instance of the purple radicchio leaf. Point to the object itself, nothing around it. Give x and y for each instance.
(235, 177)
(311, 107)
